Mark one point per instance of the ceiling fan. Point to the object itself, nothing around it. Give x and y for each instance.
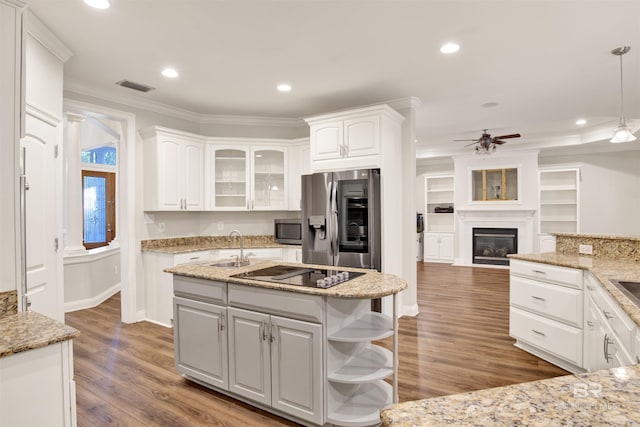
(486, 142)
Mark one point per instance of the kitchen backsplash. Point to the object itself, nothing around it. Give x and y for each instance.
(613, 247)
(209, 242)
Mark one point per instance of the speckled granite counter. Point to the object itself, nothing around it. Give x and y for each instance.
(371, 285)
(27, 331)
(179, 245)
(604, 269)
(607, 397)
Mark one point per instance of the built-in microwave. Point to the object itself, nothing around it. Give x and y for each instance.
(288, 231)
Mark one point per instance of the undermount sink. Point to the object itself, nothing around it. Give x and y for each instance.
(630, 289)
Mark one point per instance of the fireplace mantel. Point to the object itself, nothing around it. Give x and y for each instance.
(498, 214)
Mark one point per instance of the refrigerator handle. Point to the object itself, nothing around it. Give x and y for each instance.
(334, 219)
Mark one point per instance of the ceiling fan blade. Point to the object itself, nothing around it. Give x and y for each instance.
(513, 135)
(466, 140)
(497, 141)
(469, 145)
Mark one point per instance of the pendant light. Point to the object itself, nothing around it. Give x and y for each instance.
(623, 131)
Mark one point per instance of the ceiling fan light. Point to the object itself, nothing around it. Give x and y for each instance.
(622, 134)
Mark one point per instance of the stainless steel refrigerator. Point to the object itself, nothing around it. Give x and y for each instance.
(341, 218)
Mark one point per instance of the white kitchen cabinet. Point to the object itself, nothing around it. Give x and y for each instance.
(559, 201)
(228, 185)
(200, 341)
(299, 164)
(609, 332)
(269, 184)
(246, 177)
(37, 387)
(276, 361)
(546, 312)
(351, 139)
(158, 285)
(438, 247)
(173, 171)
(635, 354)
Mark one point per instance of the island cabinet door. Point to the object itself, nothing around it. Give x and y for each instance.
(296, 368)
(200, 341)
(249, 355)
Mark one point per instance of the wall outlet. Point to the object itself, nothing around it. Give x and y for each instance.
(220, 225)
(585, 249)
(161, 227)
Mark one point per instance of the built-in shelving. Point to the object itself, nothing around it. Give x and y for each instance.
(356, 368)
(559, 196)
(439, 203)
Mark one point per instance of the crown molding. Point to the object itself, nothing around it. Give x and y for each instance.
(405, 103)
(180, 113)
(39, 31)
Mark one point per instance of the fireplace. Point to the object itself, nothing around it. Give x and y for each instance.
(491, 245)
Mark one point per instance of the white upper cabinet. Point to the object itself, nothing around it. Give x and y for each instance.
(268, 178)
(173, 171)
(228, 185)
(246, 177)
(352, 138)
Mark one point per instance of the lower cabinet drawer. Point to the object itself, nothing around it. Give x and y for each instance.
(554, 337)
(559, 302)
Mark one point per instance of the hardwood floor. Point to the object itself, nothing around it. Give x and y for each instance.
(125, 376)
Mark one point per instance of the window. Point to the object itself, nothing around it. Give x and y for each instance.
(99, 208)
(99, 156)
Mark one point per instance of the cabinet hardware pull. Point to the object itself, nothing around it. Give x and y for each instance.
(607, 341)
(263, 327)
(195, 257)
(590, 323)
(539, 271)
(608, 315)
(638, 359)
(272, 335)
(591, 288)
(538, 298)
(222, 322)
(538, 332)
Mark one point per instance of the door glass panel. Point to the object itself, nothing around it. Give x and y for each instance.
(231, 178)
(269, 178)
(353, 216)
(95, 209)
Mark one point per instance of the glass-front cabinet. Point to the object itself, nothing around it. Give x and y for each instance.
(248, 178)
(230, 186)
(268, 179)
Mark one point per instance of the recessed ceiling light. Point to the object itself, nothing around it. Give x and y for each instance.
(450, 48)
(581, 122)
(170, 73)
(284, 87)
(489, 105)
(98, 4)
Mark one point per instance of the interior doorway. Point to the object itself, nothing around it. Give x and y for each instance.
(125, 201)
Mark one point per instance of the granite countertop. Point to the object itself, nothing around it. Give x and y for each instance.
(604, 269)
(607, 397)
(30, 330)
(178, 245)
(370, 285)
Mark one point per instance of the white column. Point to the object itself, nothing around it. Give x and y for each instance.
(73, 186)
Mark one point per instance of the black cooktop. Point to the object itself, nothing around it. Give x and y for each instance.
(300, 276)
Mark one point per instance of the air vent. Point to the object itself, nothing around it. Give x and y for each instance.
(135, 86)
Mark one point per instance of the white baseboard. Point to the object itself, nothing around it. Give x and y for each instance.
(409, 310)
(91, 302)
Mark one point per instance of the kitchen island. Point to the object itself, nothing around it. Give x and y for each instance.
(301, 352)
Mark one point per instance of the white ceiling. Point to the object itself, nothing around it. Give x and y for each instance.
(546, 63)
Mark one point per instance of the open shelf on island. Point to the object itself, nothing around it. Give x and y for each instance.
(362, 408)
(372, 363)
(370, 327)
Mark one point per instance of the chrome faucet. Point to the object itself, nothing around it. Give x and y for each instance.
(240, 260)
